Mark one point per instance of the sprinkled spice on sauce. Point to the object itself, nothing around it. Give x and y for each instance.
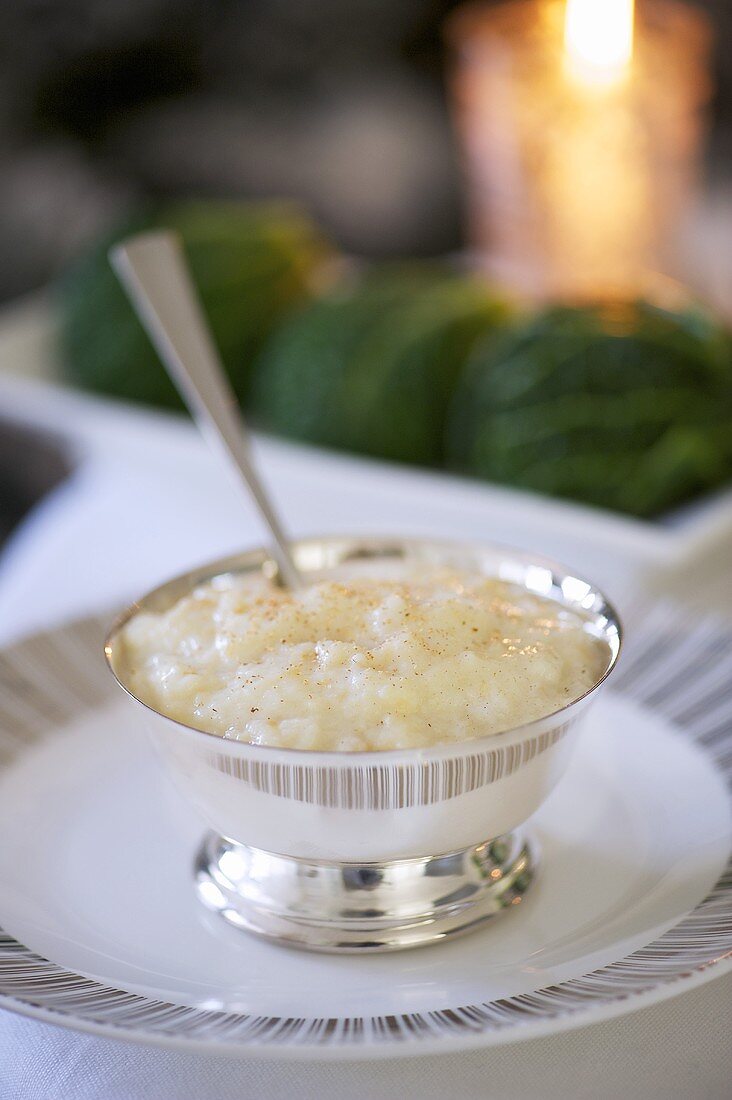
(361, 661)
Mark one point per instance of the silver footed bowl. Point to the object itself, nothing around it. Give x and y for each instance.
(372, 851)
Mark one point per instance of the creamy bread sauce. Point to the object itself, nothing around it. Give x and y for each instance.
(360, 661)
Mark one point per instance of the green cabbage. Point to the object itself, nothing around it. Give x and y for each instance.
(372, 369)
(628, 408)
(251, 263)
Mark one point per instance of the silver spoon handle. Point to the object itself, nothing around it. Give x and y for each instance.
(155, 274)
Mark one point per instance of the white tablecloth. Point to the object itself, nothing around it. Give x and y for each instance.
(146, 502)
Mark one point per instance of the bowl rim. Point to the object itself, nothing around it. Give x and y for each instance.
(376, 545)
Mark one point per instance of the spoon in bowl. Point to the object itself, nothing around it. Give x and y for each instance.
(153, 271)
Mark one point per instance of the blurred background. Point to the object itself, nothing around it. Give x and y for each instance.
(494, 238)
(342, 105)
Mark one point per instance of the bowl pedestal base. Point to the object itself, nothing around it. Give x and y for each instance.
(362, 907)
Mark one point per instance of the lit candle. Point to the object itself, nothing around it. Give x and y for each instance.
(598, 40)
(597, 188)
(581, 124)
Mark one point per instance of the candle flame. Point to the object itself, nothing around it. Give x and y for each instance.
(598, 39)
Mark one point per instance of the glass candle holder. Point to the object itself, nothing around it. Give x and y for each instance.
(576, 179)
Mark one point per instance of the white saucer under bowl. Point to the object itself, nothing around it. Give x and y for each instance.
(103, 932)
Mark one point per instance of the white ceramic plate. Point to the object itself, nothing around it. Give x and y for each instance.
(103, 933)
